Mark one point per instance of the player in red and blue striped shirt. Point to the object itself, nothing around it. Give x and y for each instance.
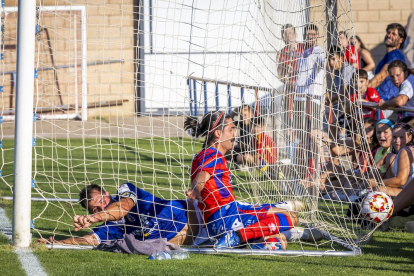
(234, 223)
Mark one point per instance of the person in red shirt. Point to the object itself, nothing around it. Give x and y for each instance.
(289, 55)
(266, 150)
(287, 68)
(350, 54)
(368, 94)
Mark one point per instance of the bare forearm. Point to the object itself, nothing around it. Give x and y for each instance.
(393, 182)
(405, 198)
(115, 211)
(380, 77)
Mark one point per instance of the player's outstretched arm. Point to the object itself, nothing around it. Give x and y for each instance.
(85, 240)
(113, 212)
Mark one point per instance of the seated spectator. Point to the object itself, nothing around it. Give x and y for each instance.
(400, 162)
(394, 41)
(329, 178)
(384, 135)
(401, 76)
(349, 54)
(266, 150)
(244, 113)
(367, 63)
(368, 94)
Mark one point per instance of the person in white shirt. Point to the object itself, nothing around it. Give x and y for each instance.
(402, 77)
(308, 100)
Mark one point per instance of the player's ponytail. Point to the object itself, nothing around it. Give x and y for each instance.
(210, 122)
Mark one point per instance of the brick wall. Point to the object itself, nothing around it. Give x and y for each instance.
(371, 18)
(110, 36)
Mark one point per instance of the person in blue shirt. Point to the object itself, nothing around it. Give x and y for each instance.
(132, 210)
(394, 41)
(402, 77)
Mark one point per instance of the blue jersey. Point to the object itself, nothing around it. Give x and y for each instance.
(386, 89)
(150, 218)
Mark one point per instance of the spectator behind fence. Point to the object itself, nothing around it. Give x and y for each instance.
(349, 53)
(366, 61)
(342, 71)
(394, 41)
(266, 150)
(400, 162)
(287, 68)
(289, 55)
(244, 115)
(309, 90)
(342, 74)
(401, 76)
(368, 94)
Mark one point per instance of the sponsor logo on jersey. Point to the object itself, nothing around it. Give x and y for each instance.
(374, 96)
(237, 225)
(130, 218)
(123, 188)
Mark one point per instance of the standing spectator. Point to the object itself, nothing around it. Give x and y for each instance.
(401, 76)
(309, 90)
(287, 71)
(394, 41)
(287, 67)
(349, 54)
(289, 55)
(367, 63)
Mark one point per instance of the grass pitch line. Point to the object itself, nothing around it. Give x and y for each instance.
(29, 261)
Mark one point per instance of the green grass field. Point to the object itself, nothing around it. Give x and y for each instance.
(162, 168)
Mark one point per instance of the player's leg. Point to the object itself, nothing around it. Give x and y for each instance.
(248, 223)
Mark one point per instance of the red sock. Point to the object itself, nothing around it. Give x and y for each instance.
(267, 226)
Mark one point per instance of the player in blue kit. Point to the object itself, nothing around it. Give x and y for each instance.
(132, 210)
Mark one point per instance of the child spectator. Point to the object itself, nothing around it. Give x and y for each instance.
(368, 94)
(401, 76)
(383, 131)
(266, 151)
(342, 70)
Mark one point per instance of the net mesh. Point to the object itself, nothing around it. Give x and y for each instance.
(137, 69)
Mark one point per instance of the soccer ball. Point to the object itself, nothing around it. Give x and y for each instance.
(377, 207)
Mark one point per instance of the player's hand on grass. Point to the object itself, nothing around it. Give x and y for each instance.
(81, 222)
(46, 241)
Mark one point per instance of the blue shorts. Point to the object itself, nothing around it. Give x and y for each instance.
(237, 215)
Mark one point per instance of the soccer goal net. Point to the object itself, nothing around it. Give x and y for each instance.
(133, 71)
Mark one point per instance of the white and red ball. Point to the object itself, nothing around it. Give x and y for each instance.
(377, 207)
